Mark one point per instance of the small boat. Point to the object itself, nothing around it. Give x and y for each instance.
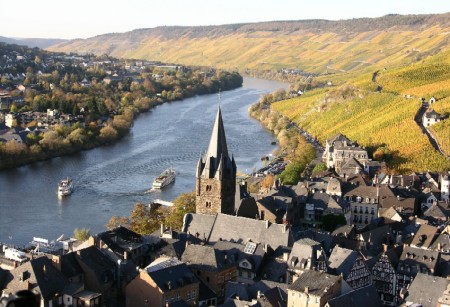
(65, 187)
(164, 179)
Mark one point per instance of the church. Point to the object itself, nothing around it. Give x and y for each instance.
(216, 175)
(219, 199)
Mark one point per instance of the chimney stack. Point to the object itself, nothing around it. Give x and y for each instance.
(306, 290)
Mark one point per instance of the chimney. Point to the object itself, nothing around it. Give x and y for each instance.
(385, 247)
(306, 290)
(284, 228)
(267, 224)
(439, 246)
(162, 229)
(125, 255)
(285, 256)
(56, 260)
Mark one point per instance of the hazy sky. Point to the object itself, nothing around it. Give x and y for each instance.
(86, 18)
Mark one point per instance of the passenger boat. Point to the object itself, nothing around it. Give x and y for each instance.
(65, 187)
(164, 179)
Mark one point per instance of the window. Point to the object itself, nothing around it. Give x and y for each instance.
(250, 248)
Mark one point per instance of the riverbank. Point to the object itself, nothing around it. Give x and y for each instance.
(30, 146)
(298, 149)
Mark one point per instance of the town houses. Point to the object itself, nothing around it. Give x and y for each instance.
(342, 237)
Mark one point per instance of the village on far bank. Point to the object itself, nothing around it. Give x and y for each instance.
(350, 234)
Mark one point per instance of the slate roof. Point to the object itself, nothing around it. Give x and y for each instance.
(426, 290)
(274, 297)
(346, 231)
(351, 166)
(366, 296)
(341, 260)
(375, 235)
(3, 275)
(438, 211)
(170, 274)
(303, 250)
(387, 212)
(416, 256)
(97, 261)
(236, 251)
(334, 186)
(341, 139)
(319, 200)
(205, 258)
(121, 239)
(442, 241)
(424, 236)
(317, 282)
(323, 237)
(218, 228)
(265, 285)
(236, 289)
(70, 266)
(363, 191)
(199, 224)
(38, 275)
(277, 205)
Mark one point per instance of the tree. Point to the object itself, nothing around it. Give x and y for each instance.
(291, 175)
(13, 108)
(185, 203)
(78, 137)
(268, 181)
(108, 134)
(81, 234)
(146, 219)
(117, 221)
(331, 221)
(320, 167)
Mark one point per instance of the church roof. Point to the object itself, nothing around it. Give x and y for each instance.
(216, 160)
(218, 143)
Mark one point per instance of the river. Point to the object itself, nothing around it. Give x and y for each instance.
(110, 180)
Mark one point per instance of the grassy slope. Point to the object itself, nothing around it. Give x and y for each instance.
(313, 46)
(385, 118)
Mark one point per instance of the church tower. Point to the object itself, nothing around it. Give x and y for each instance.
(216, 175)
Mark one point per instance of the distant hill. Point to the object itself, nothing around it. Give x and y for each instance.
(317, 46)
(33, 42)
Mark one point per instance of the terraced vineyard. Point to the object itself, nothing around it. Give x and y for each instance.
(381, 119)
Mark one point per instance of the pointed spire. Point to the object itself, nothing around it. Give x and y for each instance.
(218, 143)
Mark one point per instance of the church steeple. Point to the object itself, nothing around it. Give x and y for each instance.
(217, 149)
(216, 174)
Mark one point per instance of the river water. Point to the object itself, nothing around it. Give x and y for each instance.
(110, 180)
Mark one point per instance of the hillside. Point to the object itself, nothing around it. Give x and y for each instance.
(32, 42)
(382, 120)
(315, 46)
